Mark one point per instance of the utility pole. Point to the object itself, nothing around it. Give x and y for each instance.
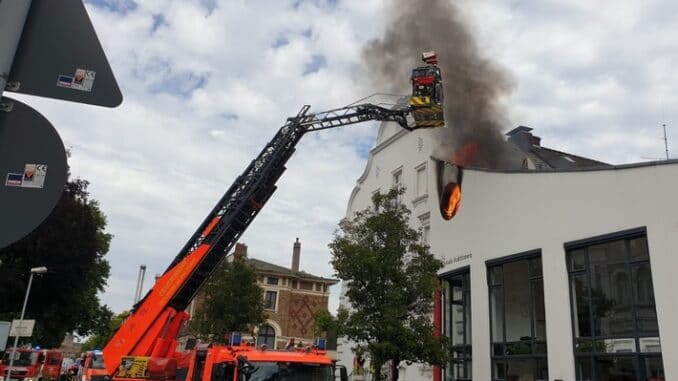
(140, 283)
(34, 270)
(666, 142)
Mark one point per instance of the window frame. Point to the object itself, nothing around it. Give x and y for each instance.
(466, 301)
(425, 226)
(275, 300)
(399, 175)
(397, 178)
(532, 279)
(637, 356)
(420, 193)
(266, 335)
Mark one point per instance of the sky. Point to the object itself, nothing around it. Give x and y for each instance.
(207, 83)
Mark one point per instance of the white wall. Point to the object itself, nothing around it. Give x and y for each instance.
(508, 213)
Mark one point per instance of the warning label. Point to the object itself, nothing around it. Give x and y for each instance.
(82, 80)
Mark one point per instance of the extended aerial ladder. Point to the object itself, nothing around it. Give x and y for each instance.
(153, 326)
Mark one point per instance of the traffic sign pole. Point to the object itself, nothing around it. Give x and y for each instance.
(16, 338)
(13, 15)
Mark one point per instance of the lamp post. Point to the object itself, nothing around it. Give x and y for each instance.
(34, 270)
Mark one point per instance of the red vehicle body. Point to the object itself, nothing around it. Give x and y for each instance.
(93, 368)
(32, 365)
(232, 363)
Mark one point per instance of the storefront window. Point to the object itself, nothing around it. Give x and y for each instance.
(616, 335)
(517, 319)
(458, 323)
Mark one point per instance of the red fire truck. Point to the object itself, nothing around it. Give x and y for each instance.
(31, 365)
(93, 368)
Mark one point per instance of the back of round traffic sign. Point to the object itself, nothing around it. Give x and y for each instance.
(32, 171)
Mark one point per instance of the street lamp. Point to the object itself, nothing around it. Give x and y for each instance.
(34, 270)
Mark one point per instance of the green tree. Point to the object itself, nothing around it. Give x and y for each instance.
(233, 301)
(100, 339)
(72, 243)
(390, 280)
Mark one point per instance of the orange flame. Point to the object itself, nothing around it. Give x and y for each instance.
(451, 199)
(465, 155)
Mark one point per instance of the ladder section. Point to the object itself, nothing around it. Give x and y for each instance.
(238, 207)
(355, 114)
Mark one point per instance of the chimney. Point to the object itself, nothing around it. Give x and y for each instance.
(240, 251)
(522, 137)
(296, 252)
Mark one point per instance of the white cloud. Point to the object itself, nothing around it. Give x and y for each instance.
(204, 91)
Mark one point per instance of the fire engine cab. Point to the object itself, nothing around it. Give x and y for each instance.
(31, 365)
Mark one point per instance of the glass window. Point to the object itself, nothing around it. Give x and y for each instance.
(266, 335)
(497, 314)
(615, 368)
(495, 276)
(517, 301)
(426, 234)
(535, 267)
(398, 179)
(613, 311)
(576, 260)
(638, 249)
(654, 369)
(458, 321)
(270, 299)
(422, 186)
(539, 311)
(398, 183)
(287, 371)
(425, 221)
(518, 320)
(272, 281)
(306, 286)
(581, 312)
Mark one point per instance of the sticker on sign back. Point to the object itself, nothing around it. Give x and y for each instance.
(14, 179)
(82, 80)
(34, 176)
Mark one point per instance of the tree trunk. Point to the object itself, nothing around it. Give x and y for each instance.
(395, 374)
(376, 365)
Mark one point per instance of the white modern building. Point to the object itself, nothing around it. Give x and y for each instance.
(564, 274)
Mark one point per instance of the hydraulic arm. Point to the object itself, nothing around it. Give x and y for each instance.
(152, 328)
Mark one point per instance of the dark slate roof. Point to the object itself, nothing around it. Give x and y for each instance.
(519, 129)
(561, 160)
(267, 267)
(546, 158)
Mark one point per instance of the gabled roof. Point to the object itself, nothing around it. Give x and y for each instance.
(271, 268)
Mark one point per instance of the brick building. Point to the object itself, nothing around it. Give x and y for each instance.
(291, 299)
(71, 346)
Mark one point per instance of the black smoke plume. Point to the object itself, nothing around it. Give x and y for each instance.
(472, 85)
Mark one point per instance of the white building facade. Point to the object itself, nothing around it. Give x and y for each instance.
(558, 275)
